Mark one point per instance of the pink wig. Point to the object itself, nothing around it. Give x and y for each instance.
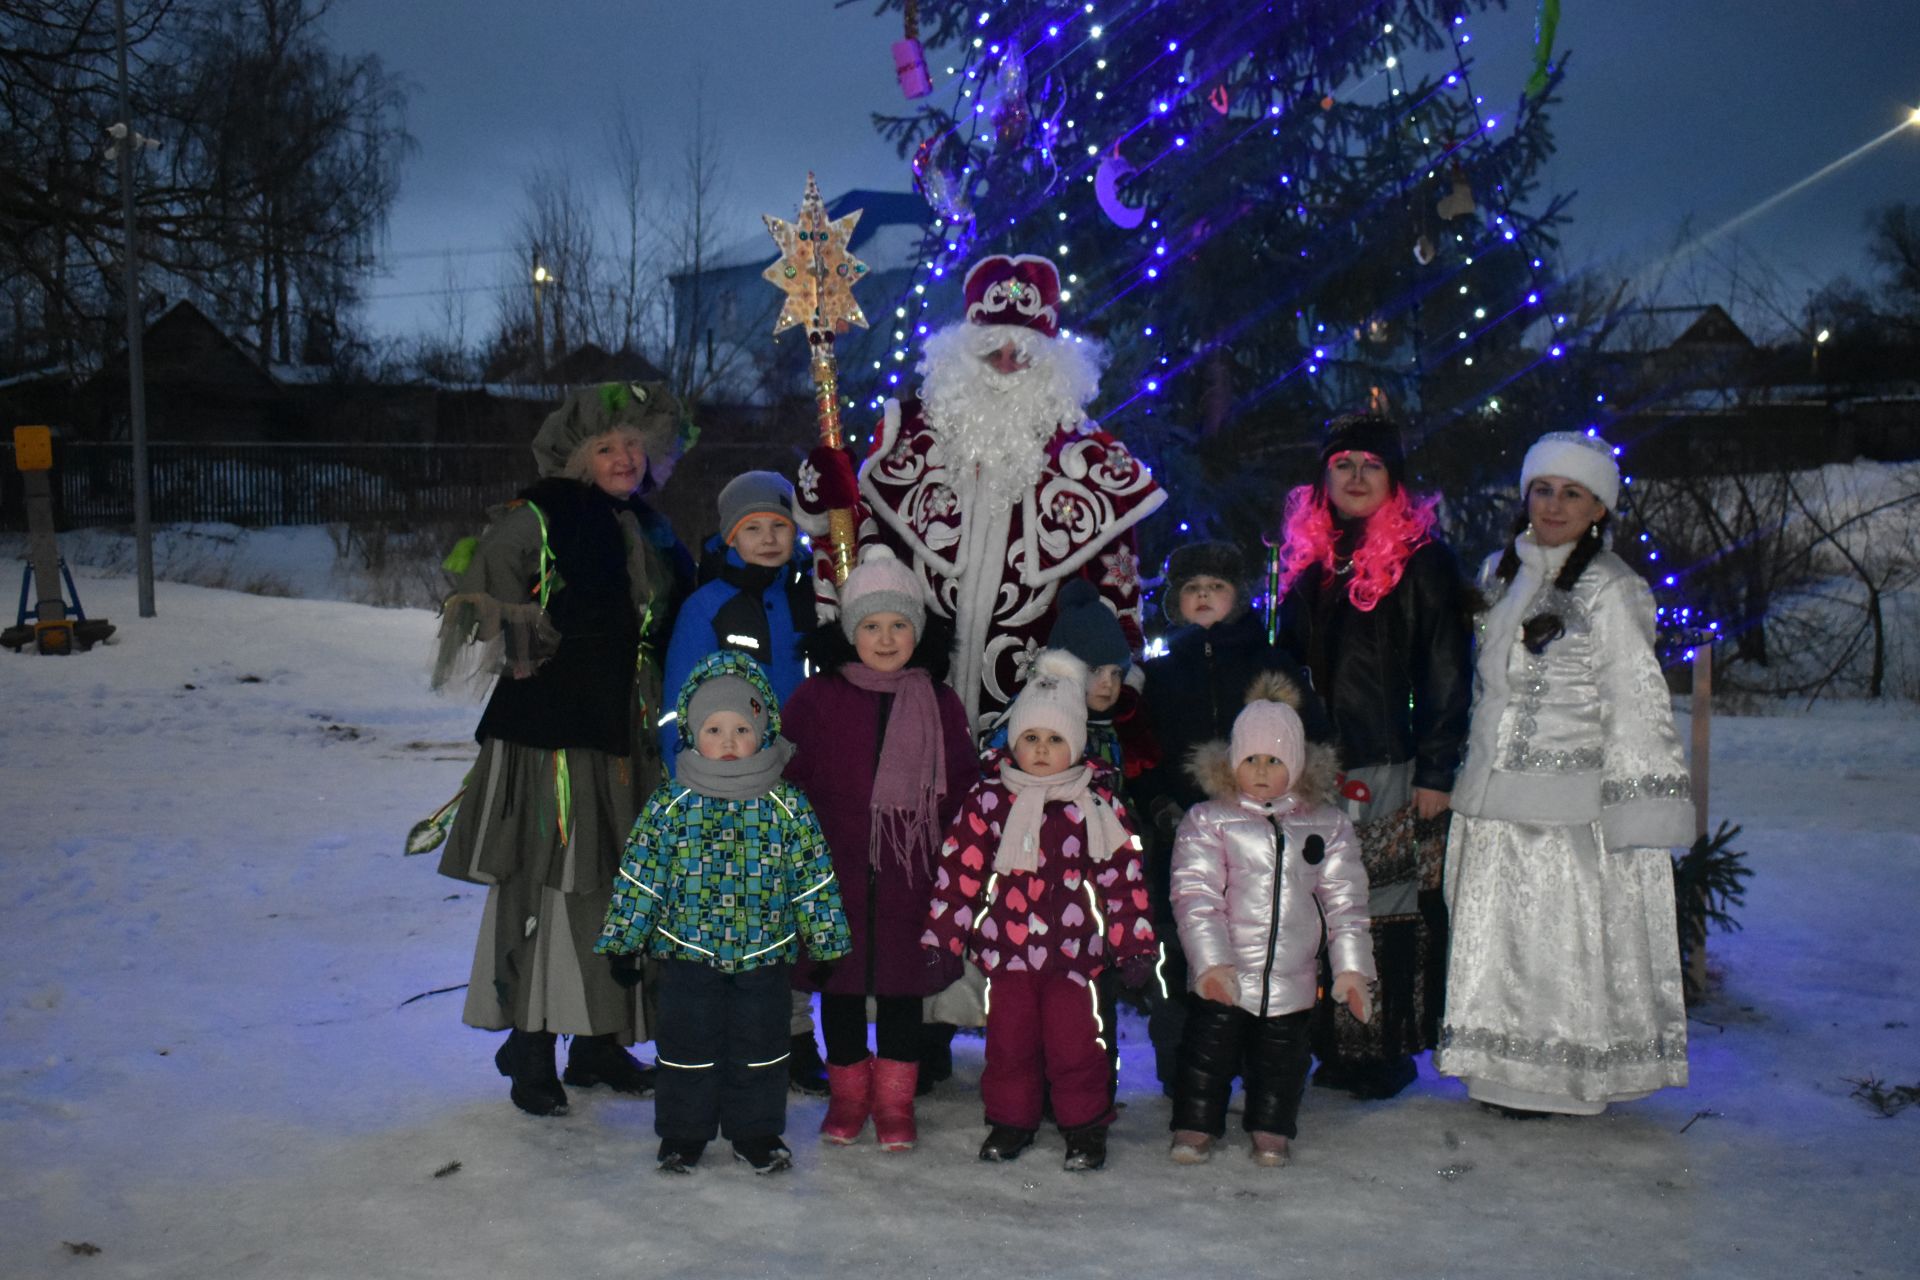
(1393, 533)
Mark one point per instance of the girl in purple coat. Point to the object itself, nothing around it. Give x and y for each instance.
(1040, 883)
(873, 699)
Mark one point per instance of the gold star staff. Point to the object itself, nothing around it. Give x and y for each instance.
(817, 273)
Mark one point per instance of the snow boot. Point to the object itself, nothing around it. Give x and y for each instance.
(805, 1072)
(1004, 1142)
(849, 1103)
(679, 1155)
(766, 1155)
(1376, 1081)
(893, 1089)
(593, 1060)
(1270, 1150)
(1086, 1148)
(1190, 1146)
(527, 1059)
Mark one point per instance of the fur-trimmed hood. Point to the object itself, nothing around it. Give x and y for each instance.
(1211, 767)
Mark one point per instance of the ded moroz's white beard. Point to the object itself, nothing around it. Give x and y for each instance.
(999, 422)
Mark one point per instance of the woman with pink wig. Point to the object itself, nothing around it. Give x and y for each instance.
(1373, 605)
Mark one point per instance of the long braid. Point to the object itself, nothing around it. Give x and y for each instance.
(1543, 629)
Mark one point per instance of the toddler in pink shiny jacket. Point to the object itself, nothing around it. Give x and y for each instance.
(1265, 872)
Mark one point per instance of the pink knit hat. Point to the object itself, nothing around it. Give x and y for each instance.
(881, 584)
(1267, 728)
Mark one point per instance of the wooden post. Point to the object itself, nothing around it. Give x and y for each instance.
(33, 454)
(1702, 731)
(1695, 978)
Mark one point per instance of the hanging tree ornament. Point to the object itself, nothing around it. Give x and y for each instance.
(1004, 98)
(1112, 170)
(909, 59)
(817, 271)
(1458, 202)
(938, 185)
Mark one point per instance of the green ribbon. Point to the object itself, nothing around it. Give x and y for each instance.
(1545, 23)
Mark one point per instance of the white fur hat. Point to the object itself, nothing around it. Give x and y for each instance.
(1055, 697)
(1576, 456)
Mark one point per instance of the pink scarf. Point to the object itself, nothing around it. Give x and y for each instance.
(904, 810)
(1020, 839)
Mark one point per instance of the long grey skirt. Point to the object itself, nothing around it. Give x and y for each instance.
(534, 967)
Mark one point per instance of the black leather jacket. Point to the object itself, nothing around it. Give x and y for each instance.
(1398, 680)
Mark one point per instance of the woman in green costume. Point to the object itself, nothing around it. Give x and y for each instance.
(565, 605)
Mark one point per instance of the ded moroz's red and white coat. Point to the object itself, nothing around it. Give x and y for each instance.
(993, 571)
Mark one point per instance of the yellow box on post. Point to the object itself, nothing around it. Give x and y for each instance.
(33, 448)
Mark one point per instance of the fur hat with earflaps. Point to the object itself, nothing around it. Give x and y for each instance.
(1269, 724)
(1221, 560)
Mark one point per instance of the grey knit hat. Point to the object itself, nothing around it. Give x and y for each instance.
(727, 693)
(1221, 560)
(754, 493)
(881, 584)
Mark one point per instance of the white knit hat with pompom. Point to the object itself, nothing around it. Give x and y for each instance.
(1055, 697)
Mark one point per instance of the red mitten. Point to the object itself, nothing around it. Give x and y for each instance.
(827, 481)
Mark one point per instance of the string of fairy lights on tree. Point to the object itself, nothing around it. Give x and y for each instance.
(1001, 67)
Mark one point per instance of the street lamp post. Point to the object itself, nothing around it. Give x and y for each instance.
(126, 141)
(541, 278)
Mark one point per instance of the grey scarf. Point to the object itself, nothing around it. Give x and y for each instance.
(744, 779)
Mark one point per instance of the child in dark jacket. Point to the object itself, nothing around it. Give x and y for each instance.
(883, 751)
(1040, 884)
(726, 869)
(1262, 872)
(1216, 650)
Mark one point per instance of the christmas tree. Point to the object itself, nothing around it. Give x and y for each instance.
(1270, 213)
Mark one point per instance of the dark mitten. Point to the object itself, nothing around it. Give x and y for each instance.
(625, 969)
(827, 481)
(1136, 971)
(820, 974)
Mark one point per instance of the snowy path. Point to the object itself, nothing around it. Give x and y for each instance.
(206, 1068)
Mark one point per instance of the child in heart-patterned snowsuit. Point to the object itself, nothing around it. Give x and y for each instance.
(1040, 883)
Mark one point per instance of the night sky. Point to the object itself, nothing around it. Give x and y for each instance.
(1672, 109)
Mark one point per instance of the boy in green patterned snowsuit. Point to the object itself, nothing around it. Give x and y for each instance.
(726, 878)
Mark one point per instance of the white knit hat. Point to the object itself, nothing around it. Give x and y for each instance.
(1266, 728)
(1576, 456)
(1055, 697)
(881, 584)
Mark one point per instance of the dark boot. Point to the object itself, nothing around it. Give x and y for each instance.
(679, 1155)
(1086, 1147)
(593, 1060)
(1004, 1142)
(1373, 1081)
(527, 1059)
(805, 1072)
(936, 1056)
(766, 1155)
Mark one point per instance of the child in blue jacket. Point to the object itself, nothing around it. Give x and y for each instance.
(756, 596)
(726, 877)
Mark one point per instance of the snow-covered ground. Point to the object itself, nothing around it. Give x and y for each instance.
(209, 1065)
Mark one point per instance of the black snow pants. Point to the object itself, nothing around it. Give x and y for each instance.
(1218, 1041)
(722, 1052)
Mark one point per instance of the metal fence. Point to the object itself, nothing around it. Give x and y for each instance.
(281, 484)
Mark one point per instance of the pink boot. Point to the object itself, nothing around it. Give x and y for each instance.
(893, 1085)
(849, 1102)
